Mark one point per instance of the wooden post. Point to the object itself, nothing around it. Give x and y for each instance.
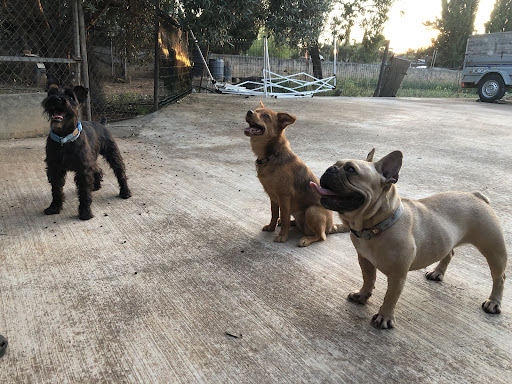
(382, 70)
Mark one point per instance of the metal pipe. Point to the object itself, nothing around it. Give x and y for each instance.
(76, 35)
(38, 59)
(335, 52)
(204, 61)
(265, 64)
(156, 90)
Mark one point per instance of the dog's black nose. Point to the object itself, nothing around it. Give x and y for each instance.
(249, 113)
(332, 169)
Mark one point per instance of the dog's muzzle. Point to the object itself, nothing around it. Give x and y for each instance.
(342, 199)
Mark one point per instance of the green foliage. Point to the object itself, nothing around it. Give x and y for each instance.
(501, 17)
(364, 87)
(420, 53)
(368, 51)
(297, 22)
(216, 22)
(456, 24)
(274, 50)
(357, 87)
(371, 15)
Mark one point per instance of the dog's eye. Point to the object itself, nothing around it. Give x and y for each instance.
(350, 170)
(266, 116)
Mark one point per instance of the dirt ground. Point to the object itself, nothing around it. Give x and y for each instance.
(179, 284)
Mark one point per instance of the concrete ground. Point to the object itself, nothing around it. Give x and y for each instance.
(179, 284)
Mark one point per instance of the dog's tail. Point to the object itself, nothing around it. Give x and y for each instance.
(482, 196)
(339, 228)
(103, 120)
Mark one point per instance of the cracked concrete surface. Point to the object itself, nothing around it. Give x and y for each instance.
(179, 284)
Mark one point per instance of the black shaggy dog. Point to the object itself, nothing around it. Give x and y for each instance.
(74, 146)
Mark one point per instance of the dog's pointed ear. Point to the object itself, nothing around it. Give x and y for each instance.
(285, 119)
(389, 166)
(81, 93)
(369, 157)
(53, 88)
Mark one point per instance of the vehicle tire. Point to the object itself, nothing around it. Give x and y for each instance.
(491, 88)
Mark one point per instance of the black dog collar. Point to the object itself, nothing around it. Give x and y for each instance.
(266, 159)
(367, 234)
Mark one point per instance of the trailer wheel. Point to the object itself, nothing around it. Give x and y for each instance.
(491, 88)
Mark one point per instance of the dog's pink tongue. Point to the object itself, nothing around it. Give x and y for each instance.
(57, 117)
(250, 131)
(320, 190)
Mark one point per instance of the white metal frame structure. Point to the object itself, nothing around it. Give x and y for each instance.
(274, 85)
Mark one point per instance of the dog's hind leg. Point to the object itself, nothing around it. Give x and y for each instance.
(84, 180)
(57, 178)
(495, 252)
(113, 156)
(98, 178)
(438, 272)
(315, 223)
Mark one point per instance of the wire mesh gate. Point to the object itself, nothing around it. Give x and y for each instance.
(112, 48)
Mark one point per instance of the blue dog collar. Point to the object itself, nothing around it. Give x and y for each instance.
(69, 138)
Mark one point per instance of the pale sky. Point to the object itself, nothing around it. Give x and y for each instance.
(405, 27)
(407, 31)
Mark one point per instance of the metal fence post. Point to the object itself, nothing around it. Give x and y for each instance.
(76, 33)
(157, 57)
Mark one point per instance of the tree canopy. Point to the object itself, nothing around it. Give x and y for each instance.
(455, 25)
(501, 17)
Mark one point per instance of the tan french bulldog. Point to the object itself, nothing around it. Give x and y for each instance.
(397, 235)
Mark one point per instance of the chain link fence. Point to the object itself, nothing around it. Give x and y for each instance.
(240, 61)
(36, 46)
(133, 58)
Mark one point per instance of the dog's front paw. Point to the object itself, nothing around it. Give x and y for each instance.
(383, 322)
(125, 193)
(358, 298)
(85, 214)
(53, 210)
(491, 306)
(281, 238)
(269, 228)
(434, 275)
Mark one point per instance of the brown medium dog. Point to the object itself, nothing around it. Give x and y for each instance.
(396, 235)
(286, 179)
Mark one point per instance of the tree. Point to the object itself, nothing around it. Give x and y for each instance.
(216, 22)
(371, 16)
(455, 25)
(299, 23)
(501, 17)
